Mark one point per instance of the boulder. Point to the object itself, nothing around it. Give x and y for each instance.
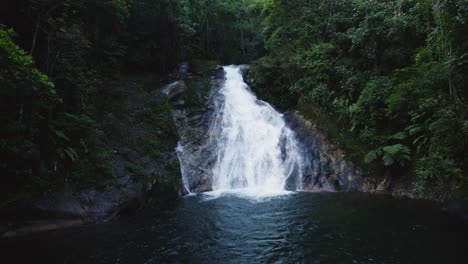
(174, 89)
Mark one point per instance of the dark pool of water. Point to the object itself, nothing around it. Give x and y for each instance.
(297, 228)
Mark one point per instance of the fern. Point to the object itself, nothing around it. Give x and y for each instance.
(373, 155)
(388, 160)
(71, 153)
(397, 152)
(396, 149)
(399, 136)
(390, 154)
(413, 129)
(60, 134)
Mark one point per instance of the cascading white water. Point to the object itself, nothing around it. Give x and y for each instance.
(255, 151)
(180, 151)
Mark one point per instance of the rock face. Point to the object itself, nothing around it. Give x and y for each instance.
(142, 138)
(197, 149)
(174, 89)
(143, 172)
(137, 172)
(325, 168)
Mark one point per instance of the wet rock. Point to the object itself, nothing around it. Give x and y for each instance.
(244, 69)
(132, 156)
(182, 71)
(193, 125)
(384, 185)
(174, 89)
(325, 168)
(129, 130)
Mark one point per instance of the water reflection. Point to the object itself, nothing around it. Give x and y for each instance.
(294, 228)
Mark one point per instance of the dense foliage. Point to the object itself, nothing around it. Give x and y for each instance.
(59, 65)
(393, 73)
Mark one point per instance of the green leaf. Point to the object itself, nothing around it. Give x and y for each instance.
(372, 155)
(413, 129)
(395, 149)
(71, 153)
(388, 160)
(60, 134)
(399, 136)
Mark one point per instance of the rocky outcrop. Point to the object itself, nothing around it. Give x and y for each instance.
(142, 171)
(136, 171)
(325, 166)
(174, 89)
(327, 169)
(197, 149)
(142, 137)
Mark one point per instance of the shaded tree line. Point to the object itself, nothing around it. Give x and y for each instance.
(392, 72)
(60, 61)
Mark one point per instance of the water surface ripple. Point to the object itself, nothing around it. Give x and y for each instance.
(293, 228)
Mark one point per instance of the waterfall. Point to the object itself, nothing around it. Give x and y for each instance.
(255, 148)
(180, 152)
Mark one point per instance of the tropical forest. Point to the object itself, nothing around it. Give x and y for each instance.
(234, 131)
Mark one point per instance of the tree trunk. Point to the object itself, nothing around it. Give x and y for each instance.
(36, 29)
(21, 111)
